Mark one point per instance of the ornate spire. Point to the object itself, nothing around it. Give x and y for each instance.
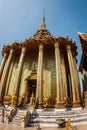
(43, 25)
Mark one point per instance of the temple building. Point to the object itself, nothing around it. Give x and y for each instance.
(41, 71)
(83, 64)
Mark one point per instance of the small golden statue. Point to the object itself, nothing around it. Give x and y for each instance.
(32, 101)
(45, 99)
(14, 100)
(67, 101)
(20, 100)
(68, 124)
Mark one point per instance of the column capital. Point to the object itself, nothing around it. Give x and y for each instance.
(41, 46)
(24, 49)
(73, 53)
(83, 71)
(68, 47)
(5, 54)
(56, 44)
(3, 63)
(11, 51)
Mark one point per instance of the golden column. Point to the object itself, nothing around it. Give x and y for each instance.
(9, 76)
(59, 99)
(40, 77)
(83, 75)
(3, 64)
(5, 74)
(19, 71)
(77, 80)
(73, 75)
(64, 76)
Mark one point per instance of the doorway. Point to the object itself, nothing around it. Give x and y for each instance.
(32, 88)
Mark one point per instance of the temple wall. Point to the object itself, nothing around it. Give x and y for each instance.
(49, 75)
(29, 62)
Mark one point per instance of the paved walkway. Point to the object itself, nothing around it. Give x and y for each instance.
(15, 127)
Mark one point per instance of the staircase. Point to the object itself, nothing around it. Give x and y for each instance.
(7, 110)
(48, 117)
(17, 118)
(0, 112)
(4, 110)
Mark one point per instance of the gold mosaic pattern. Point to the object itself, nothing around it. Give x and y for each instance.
(49, 75)
(29, 62)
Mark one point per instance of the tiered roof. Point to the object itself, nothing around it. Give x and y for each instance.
(41, 36)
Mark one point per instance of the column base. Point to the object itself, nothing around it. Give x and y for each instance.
(39, 106)
(1, 102)
(14, 101)
(85, 103)
(59, 105)
(77, 104)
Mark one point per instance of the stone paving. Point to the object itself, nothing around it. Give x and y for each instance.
(15, 127)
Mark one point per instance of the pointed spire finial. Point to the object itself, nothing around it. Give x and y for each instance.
(43, 25)
(44, 12)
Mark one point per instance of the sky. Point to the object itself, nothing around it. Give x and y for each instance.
(20, 19)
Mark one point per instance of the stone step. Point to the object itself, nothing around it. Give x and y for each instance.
(21, 111)
(57, 114)
(17, 117)
(15, 120)
(48, 118)
(54, 124)
(16, 123)
(20, 115)
(62, 116)
(65, 112)
(54, 120)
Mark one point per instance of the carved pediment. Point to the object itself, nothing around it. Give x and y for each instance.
(32, 76)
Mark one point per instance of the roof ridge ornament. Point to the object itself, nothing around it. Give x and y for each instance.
(82, 35)
(43, 25)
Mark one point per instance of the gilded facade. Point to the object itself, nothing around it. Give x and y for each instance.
(41, 72)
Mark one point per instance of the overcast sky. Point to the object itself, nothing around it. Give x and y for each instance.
(19, 19)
